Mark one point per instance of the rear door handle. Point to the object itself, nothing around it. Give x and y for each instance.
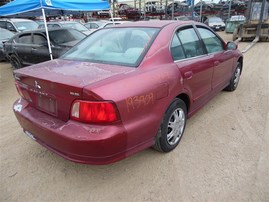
(188, 75)
(34, 49)
(216, 63)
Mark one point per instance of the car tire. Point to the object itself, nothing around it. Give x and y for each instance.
(15, 62)
(235, 78)
(172, 127)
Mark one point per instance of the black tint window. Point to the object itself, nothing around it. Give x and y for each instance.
(177, 49)
(65, 36)
(94, 26)
(190, 42)
(26, 39)
(3, 24)
(10, 27)
(39, 39)
(211, 41)
(55, 26)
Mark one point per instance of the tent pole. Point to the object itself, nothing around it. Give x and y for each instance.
(47, 33)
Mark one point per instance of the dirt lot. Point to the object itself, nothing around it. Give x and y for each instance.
(223, 156)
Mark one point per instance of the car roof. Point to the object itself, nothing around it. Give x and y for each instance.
(154, 23)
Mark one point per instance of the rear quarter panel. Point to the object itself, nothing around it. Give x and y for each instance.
(143, 95)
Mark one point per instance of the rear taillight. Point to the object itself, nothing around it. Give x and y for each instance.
(19, 90)
(94, 112)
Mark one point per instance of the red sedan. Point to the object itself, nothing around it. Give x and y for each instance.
(124, 89)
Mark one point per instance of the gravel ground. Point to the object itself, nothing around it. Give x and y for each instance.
(223, 155)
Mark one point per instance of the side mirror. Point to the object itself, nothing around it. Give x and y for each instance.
(231, 45)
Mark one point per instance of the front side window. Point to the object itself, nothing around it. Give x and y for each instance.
(190, 42)
(122, 46)
(25, 39)
(212, 42)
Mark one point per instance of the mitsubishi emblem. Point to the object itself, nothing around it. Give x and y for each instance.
(37, 85)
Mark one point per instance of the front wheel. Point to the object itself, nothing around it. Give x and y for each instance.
(172, 127)
(235, 78)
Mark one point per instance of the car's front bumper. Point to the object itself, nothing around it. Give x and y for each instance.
(75, 141)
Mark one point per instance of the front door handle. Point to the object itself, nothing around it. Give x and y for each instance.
(216, 63)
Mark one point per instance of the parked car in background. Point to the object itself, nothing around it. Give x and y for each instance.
(66, 24)
(124, 89)
(128, 12)
(206, 6)
(183, 17)
(115, 19)
(195, 17)
(215, 23)
(31, 47)
(179, 8)
(238, 18)
(5, 35)
(94, 25)
(154, 7)
(17, 24)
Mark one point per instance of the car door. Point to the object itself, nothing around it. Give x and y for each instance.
(40, 50)
(223, 59)
(195, 65)
(23, 48)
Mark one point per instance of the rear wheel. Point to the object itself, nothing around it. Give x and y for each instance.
(15, 62)
(235, 78)
(172, 127)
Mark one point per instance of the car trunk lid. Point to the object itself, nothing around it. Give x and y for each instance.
(52, 86)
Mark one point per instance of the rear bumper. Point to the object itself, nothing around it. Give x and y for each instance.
(78, 142)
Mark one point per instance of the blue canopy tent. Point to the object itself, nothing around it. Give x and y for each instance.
(22, 6)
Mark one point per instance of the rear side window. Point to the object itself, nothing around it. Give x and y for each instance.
(177, 49)
(39, 39)
(3, 24)
(10, 27)
(212, 42)
(190, 42)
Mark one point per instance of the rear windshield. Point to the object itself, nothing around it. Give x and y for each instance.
(215, 20)
(121, 46)
(76, 26)
(65, 36)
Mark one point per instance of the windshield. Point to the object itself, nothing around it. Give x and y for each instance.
(215, 20)
(5, 34)
(122, 46)
(76, 26)
(26, 25)
(65, 36)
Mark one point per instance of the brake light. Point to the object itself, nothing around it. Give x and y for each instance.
(94, 112)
